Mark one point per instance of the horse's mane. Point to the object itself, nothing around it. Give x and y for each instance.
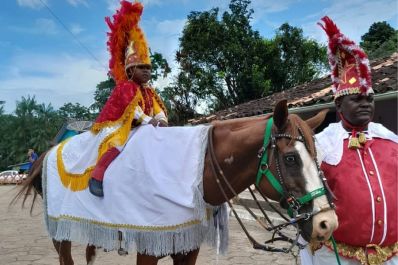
(299, 126)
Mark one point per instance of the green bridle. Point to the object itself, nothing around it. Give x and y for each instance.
(263, 170)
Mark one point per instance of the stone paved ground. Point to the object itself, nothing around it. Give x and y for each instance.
(23, 241)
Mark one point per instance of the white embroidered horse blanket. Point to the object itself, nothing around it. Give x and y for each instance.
(153, 194)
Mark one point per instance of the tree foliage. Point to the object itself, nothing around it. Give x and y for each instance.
(101, 94)
(32, 125)
(179, 100)
(222, 57)
(380, 40)
(160, 66)
(75, 111)
(386, 48)
(293, 59)
(228, 63)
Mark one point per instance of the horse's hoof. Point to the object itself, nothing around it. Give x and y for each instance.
(95, 187)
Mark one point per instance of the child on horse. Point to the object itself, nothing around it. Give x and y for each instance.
(133, 102)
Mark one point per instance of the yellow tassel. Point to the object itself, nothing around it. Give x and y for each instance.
(354, 143)
(362, 138)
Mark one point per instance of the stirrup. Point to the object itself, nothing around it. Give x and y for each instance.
(95, 187)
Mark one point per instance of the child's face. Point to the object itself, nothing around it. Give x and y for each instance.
(140, 74)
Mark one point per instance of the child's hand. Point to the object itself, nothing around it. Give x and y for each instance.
(158, 123)
(154, 122)
(162, 123)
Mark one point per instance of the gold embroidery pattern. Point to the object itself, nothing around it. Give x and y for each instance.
(126, 226)
(359, 253)
(348, 91)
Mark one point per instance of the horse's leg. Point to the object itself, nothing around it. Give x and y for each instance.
(64, 252)
(90, 254)
(185, 259)
(143, 259)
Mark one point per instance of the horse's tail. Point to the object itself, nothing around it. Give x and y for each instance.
(32, 183)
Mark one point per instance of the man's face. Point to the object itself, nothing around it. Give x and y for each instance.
(357, 109)
(140, 74)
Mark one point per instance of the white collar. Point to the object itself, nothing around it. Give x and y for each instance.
(330, 141)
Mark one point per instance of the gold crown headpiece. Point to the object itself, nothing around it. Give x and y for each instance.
(126, 41)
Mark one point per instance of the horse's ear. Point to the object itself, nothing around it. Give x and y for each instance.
(280, 114)
(317, 120)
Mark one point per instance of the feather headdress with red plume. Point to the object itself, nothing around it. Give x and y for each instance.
(126, 41)
(349, 63)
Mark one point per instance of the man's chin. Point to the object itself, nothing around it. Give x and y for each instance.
(362, 120)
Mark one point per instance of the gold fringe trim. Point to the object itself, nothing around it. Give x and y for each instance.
(135, 227)
(359, 253)
(79, 182)
(74, 182)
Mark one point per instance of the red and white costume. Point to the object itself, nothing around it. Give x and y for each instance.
(365, 183)
(361, 168)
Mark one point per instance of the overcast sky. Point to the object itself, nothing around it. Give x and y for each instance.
(40, 57)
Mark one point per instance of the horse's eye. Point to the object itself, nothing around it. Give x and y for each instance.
(290, 159)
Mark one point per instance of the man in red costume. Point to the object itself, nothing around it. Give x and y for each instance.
(359, 160)
(133, 102)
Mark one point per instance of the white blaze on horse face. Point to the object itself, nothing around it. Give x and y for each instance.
(325, 222)
(229, 160)
(310, 173)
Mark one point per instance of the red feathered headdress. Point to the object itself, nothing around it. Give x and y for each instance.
(349, 63)
(126, 41)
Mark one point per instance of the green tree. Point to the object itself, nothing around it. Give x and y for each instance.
(223, 56)
(47, 124)
(75, 111)
(4, 140)
(101, 94)
(32, 126)
(179, 100)
(160, 66)
(230, 63)
(293, 59)
(377, 35)
(386, 49)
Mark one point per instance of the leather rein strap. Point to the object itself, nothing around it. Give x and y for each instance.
(217, 171)
(294, 204)
(214, 163)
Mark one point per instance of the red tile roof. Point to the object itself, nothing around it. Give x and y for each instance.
(384, 78)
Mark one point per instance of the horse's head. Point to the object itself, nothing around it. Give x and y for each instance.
(290, 156)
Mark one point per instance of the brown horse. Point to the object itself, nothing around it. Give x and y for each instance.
(235, 147)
